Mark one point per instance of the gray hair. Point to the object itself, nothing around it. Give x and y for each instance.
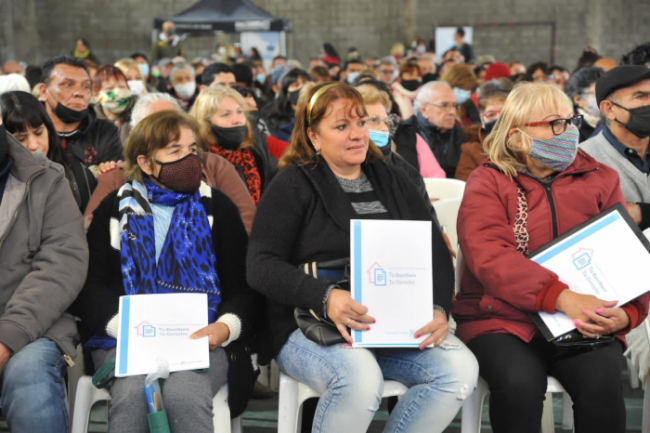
(388, 60)
(181, 67)
(141, 107)
(425, 93)
(11, 82)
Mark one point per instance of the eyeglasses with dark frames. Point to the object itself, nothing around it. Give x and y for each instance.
(559, 125)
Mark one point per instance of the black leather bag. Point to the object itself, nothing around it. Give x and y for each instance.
(312, 324)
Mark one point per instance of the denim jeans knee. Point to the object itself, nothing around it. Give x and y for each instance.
(33, 393)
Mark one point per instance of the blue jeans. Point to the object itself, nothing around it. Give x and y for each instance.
(351, 382)
(33, 391)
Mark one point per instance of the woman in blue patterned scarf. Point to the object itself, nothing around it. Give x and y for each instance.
(165, 231)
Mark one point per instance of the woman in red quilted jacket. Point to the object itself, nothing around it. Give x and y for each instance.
(535, 186)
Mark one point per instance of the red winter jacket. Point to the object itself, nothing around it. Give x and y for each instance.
(499, 286)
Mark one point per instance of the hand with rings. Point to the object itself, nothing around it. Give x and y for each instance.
(347, 313)
(437, 328)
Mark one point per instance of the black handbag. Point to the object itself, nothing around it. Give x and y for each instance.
(572, 342)
(313, 325)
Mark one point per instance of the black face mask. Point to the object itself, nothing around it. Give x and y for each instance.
(182, 176)
(4, 145)
(639, 123)
(68, 115)
(429, 77)
(171, 32)
(489, 125)
(293, 97)
(229, 138)
(411, 85)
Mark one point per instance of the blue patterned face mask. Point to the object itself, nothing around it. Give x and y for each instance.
(462, 95)
(557, 152)
(380, 138)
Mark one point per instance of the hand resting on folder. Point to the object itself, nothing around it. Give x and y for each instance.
(345, 312)
(592, 316)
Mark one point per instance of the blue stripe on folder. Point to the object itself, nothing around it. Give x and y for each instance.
(615, 216)
(356, 230)
(124, 335)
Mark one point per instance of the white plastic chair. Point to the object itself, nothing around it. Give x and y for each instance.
(447, 213)
(293, 394)
(88, 395)
(473, 408)
(444, 188)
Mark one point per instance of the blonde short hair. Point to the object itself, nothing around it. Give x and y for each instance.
(373, 96)
(127, 64)
(207, 103)
(527, 102)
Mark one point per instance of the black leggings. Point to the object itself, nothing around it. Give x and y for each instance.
(516, 374)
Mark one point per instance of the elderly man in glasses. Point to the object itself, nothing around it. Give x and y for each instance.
(435, 121)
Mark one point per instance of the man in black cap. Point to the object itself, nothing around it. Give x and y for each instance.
(623, 95)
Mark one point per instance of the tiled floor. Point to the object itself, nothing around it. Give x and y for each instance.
(262, 415)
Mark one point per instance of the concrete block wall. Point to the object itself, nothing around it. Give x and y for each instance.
(34, 30)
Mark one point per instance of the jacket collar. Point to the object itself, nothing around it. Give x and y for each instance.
(337, 203)
(25, 164)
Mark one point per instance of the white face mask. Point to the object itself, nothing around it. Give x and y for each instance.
(592, 107)
(136, 87)
(185, 90)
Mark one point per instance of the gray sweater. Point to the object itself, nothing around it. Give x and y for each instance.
(43, 253)
(634, 183)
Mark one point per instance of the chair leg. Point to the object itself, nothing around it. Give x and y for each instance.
(473, 409)
(82, 405)
(548, 424)
(645, 426)
(235, 425)
(567, 412)
(288, 405)
(634, 377)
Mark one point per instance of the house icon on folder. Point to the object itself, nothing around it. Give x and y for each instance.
(376, 275)
(145, 329)
(582, 258)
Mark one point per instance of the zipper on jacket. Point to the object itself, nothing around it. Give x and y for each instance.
(15, 217)
(68, 360)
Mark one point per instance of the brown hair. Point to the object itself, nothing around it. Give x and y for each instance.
(319, 74)
(155, 132)
(460, 76)
(104, 73)
(494, 90)
(311, 111)
(410, 67)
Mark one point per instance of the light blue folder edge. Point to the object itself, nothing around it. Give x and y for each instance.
(356, 232)
(615, 216)
(124, 334)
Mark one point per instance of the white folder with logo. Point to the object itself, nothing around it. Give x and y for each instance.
(156, 326)
(607, 256)
(391, 274)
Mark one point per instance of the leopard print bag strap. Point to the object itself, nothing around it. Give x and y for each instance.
(521, 221)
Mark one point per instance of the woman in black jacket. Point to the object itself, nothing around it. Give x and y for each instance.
(165, 231)
(25, 118)
(332, 174)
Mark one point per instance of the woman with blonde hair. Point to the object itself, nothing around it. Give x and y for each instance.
(534, 186)
(134, 77)
(225, 131)
(332, 173)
